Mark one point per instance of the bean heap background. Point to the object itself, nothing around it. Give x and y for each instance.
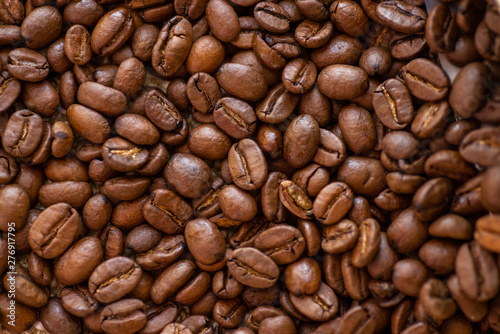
(250, 167)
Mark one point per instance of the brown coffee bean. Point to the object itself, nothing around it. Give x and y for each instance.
(273, 50)
(251, 267)
(23, 133)
(121, 155)
(393, 105)
(299, 76)
(409, 275)
(114, 278)
(124, 316)
(228, 313)
(106, 100)
(432, 198)
(472, 309)
(237, 204)
(166, 211)
(313, 34)
(242, 81)
(79, 261)
(381, 265)
(451, 226)
(332, 203)
(353, 121)
(481, 147)
(200, 231)
(439, 255)
(223, 20)
(303, 277)
(469, 89)
(28, 292)
(41, 27)
(441, 30)
(368, 243)
(301, 141)
(477, 272)
(320, 306)
(271, 205)
(342, 82)
(401, 16)
(450, 164)
(163, 254)
(60, 219)
(63, 139)
(55, 318)
(407, 232)
(235, 117)
(241, 156)
(430, 119)
(272, 17)
(40, 97)
(171, 280)
(277, 105)
(341, 49)
(203, 92)
(191, 184)
(355, 279)
(348, 17)
(78, 301)
(112, 31)
(295, 199)
(77, 45)
(340, 237)
(11, 88)
(356, 320)
(282, 243)
(365, 176)
(426, 80)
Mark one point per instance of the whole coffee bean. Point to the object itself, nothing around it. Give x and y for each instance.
(121, 155)
(486, 41)
(171, 280)
(114, 278)
(295, 199)
(242, 81)
(353, 121)
(41, 27)
(88, 123)
(477, 272)
(432, 198)
(79, 261)
(223, 20)
(273, 50)
(55, 318)
(282, 243)
(301, 140)
(167, 211)
(469, 89)
(138, 129)
(400, 145)
(348, 17)
(441, 29)
(272, 207)
(272, 17)
(450, 164)
(40, 97)
(23, 133)
(28, 292)
(407, 232)
(355, 279)
(235, 117)
(401, 16)
(260, 314)
(278, 324)
(112, 31)
(77, 45)
(277, 106)
(252, 267)
(365, 176)
(342, 82)
(14, 205)
(430, 119)
(54, 230)
(192, 184)
(439, 255)
(406, 47)
(78, 301)
(320, 306)
(124, 316)
(63, 139)
(375, 60)
(73, 193)
(163, 254)
(451, 226)
(341, 49)
(205, 241)
(11, 88)
(381, 265)
(489, 187)
(393, 105)
(84, 12)
(303, 277)
(426, 80)
(471, 308)
(106, 100)
(8, 167)
(203, 92)
(209, 142)
(228, 313)
(241, 156)
(409, 275)
(481, 147)
(368, 243)
(237, 204)
(314, 9)
(332, 203)
(313, 34)
(299, 76)
(340, 237)
(249, 58)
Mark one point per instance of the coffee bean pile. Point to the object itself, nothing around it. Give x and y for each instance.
(246, 166)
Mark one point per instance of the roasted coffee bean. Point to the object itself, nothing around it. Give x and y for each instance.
(247, 164)
(172, 46)
(332, 203)
(313, 34)
(124, 316)
(77, 45)
(368, 243)
(441, 30)
(41, 97)
(272, 17)
(55, 318)
(223, 20)
(54, 230)
(121, 155)
(41, 27)
(432, 198)
(171, 279)
(272, 207)
(303, 277)
(114, 278)
(203, 92)
(302, 135)
(426, 80)
(401, 16)
(354, 121)
(235, 117)
(343, 82)
(112, 31)
(365, 176)
(339, 237)
(392, 104)
(295, 199)
(237, 204)
(79, 261)
(277, 106)
(409, 275)
(163, 254)
(242, 81)
(11, 88)
(477, 272)
(355, 279)
(252, 267)
(481, 147)
(320, 306)
(348, 17)
(356, 320)
(286, 248)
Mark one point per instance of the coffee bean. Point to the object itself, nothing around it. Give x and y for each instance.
(277, 105)
(27, 65)
(242, 81)
(342, 82)
(121, 155)
(223, 20)
(114, 278)
(441, 30)
(272, 17)
(77, 45)
(402, 17)
(283, 244)
(340, 237)
(235, 117)
(393, 105)
(302, 135)
(112, 31)
(41, 27)
(252, 267)
(166, 252)
(320, 306)
(124, 316)
(425, 80)
(348, 17)
(295, 200)
(481, 147)
(78, 301)
(313, 34)
(203, 92)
